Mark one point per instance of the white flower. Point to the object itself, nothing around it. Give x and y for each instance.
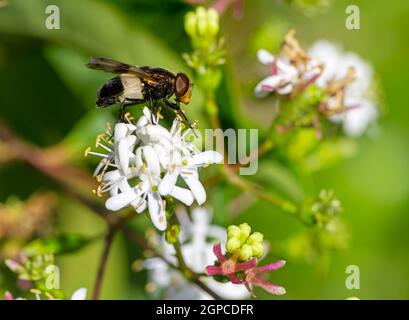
(361, 110)
(184, 159)
(197, 252)
(292, 69)
(284, 76)
(152, 157)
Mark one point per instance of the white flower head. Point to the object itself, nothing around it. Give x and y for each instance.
(291, 69)
(197, 252)
(147, 160)
(359, 109)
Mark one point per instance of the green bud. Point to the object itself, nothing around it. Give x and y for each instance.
(201, 16)
(213, 21)
(190, 24)
(233, 244)
(245, 253)
(233, 232)
(256, 237)
(245, 231)
(172, 233)
(258, 249)
(245, 228)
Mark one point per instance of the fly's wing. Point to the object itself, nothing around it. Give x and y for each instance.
(109, 65)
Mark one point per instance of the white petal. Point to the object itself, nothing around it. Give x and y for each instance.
(120, 201)
(114, 191)
(156, 211)
(285, 68)
(121, 131)
(265, 57)
(80, 294)
(152, 161)
(192, 180)
(287, 89)
(183, 195)
(111, 175)
(162, 154)
(168, 182)
(140, 205)
(131, 127)
(123, 155)
(142, 122)
(268, 84)
(201, 216)
(205, 158)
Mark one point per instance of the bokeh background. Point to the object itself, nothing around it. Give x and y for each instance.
(47, 97)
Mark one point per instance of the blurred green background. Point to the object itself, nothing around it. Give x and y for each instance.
(47, 97)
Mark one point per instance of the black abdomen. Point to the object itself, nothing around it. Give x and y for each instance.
(109, 92)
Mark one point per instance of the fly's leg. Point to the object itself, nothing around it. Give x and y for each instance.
(154, 109)
(122, 117)
(181, 114)
(154, 114)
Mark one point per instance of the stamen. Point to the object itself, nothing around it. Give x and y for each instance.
(104, 169)
(104, 187)
(86, 152)
(99, 144)
(97, 154)
(99, 138)
(129, 117)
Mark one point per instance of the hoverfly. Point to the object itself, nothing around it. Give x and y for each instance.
(135, 85)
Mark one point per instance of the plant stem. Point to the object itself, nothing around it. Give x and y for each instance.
(103, 262)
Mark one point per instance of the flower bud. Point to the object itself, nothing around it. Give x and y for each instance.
(172, 233)
(212, 21)
(245, 253)
(201, 16)
(233, 232)
(233, 244)
(245, 231)
(257, 249)
(190, 24)
(256, 237)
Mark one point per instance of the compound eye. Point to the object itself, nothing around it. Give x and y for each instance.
(182, 84)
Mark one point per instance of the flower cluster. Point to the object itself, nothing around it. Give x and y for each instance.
(239, 263)
(147, 160)
(197, 252)
(291, 71)
(31, 268)
(325, 208)
(347, 80)
(343, 78)
(202, 26)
